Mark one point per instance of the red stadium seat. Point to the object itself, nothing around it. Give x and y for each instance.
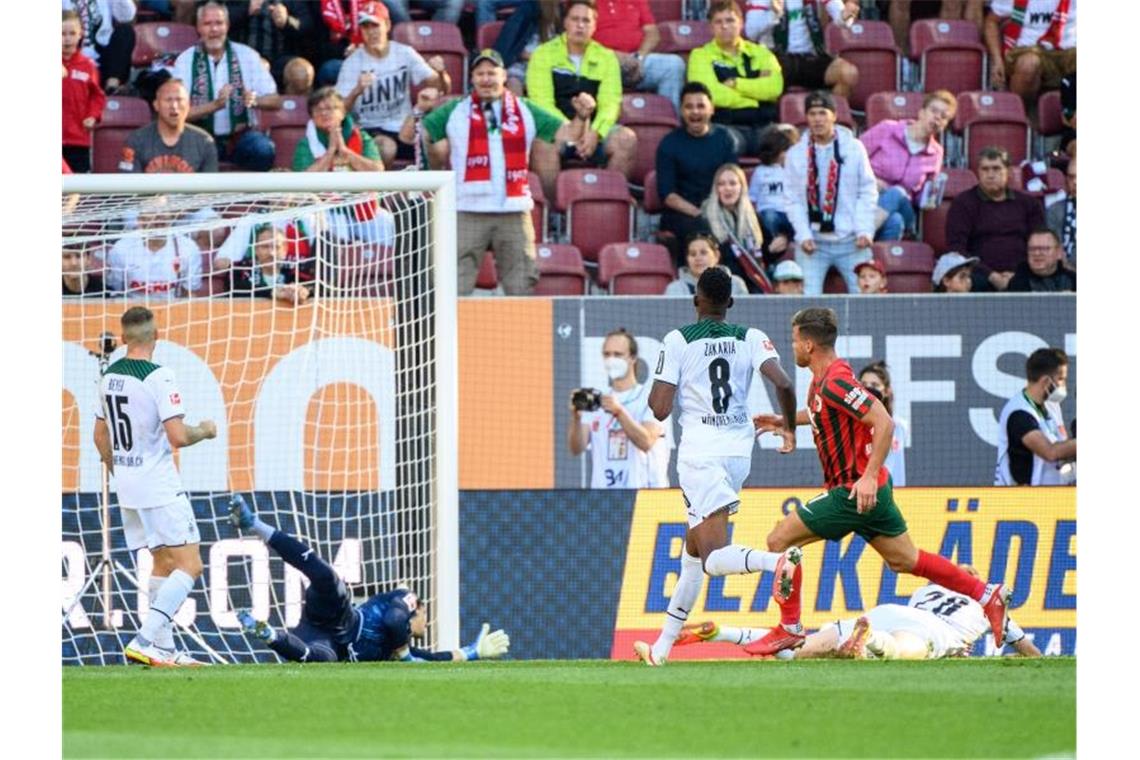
(958, 181)
(364, 270)
(651, 117)
(285, 141)
(792, 110)
(487, 34)
(488, 277)
(682, 36)
(898, 106)
(121, 116)
(1049, 113)
(870, 46)
(950, 54)
(156, 39)
(833, 283)
(635, 268)
(598, 208)
(538, 214)
(651, 202)
(437, 38)
(908, 265)
(560, 271)
(1027, 181)
(294, 112)
(992, 118)
(934, 227)
(667, 10)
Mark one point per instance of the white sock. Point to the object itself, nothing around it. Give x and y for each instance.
(680, 604)
(263, 531)
(167, 600)
(740, 636)
(164, 639)
(734, 558)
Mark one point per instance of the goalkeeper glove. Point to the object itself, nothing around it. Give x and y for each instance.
(489, 645)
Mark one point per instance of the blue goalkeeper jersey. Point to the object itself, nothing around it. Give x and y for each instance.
(384, 626)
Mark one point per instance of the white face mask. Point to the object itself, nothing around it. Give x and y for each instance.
(616, 368)
(1058, 394)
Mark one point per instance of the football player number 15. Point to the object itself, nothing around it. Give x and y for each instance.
(120, 422)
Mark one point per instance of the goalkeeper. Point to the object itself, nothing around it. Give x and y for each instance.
(332, 628)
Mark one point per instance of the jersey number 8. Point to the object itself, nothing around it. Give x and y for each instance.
(721, 391)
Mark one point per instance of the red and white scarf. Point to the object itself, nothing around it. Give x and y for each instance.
(1051, 40)
(332, 11)
(823, 213)
(513, 129)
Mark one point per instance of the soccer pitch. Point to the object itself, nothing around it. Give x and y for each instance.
(994, 707)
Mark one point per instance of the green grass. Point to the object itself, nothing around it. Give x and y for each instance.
(957, 708)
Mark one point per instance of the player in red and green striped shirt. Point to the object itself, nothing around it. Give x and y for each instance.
(852, 431)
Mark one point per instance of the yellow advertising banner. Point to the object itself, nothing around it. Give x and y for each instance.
(1024, 536)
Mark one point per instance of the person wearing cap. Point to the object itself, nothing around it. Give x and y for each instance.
(952, 273)
(788, 278)
(487, 136)
(745, 78)
(376, 81)
(573, 64)
(993, 222)
(1043, 270)
(832, 197)
(872, 277)
(793, 30)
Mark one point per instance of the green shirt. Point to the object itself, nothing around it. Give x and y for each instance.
(758, 76)
(552, 80)
(303, 156)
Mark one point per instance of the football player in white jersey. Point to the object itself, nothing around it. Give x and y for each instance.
(137, 427)
(934, 623)
(623, 431)
(708, 368)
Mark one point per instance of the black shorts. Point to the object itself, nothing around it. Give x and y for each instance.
(404, 151)
(805, 70)
(332, 613)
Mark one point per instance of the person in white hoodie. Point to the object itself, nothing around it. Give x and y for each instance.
(831, 197)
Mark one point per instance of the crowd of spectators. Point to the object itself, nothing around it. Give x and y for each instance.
(786, 205)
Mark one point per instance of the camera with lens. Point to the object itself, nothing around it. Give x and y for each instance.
(586, 399)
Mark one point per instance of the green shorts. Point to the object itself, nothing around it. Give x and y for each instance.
(833, 514)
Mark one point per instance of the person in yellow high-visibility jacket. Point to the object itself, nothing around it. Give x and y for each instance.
(744, 77)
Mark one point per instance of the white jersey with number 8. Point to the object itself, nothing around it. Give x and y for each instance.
(136, 398)
(712, 364)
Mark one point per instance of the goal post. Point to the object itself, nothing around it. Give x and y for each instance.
(337, 413)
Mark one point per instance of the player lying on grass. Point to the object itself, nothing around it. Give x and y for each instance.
(332, 628)
(935, 623)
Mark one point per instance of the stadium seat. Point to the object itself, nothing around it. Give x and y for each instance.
(934, 227)
(667, 10)
(598, 208)
(992, 118)
(538, 214)
(870, 46)
(487, 35)
(560, 271)
(437, 38)
(682, 36)
(908, 265)
(651, 201)
(160, 38)
(635, 268)
(833, 283)
(950, 54)
(651, 117)
(294, 112)
(893, 105)
(1049, 113)
(792, 110)
(488, 277)
(121, 116)
(958, 181)
(1025, 179)
(364, 270)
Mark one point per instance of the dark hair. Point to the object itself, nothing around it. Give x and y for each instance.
(720, 6)
(1043, 230)
(135, 316)
(775, 139)
(1044, 361)
(716, 286)
(819, 324)
(321, 94)
(994, 153)
(628, 336)
(708, 237)
(879, 370)
(698, 87)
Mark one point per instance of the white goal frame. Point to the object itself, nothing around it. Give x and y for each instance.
(443, 234)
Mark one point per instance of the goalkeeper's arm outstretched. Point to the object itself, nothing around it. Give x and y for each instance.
(332, 629)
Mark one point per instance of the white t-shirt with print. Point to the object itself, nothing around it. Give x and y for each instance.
(388, 101)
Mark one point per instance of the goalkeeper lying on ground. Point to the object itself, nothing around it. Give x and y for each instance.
(332, 628)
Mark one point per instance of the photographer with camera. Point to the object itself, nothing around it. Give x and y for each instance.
(628, 443)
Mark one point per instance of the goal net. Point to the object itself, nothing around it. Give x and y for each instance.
(312, 317)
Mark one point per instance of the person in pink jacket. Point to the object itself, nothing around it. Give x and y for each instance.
(83, 99)
(905, 156)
